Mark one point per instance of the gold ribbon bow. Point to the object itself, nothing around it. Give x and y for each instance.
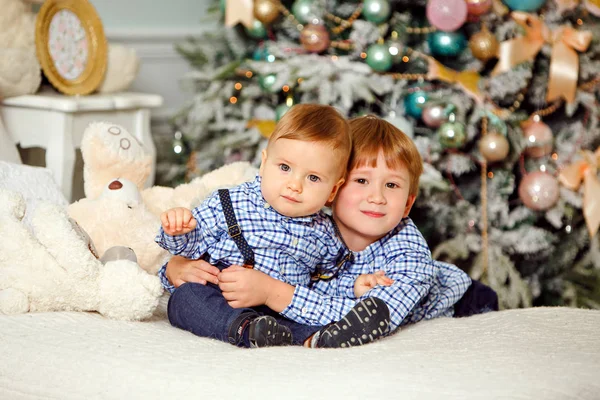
(564, 64)
(586, 170)
(239, 11)
(468, 81)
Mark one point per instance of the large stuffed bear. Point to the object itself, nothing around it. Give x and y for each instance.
(118, 211)
(55, 267)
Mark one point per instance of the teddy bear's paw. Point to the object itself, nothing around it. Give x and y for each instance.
(13, 301)
(12, 203)
(54, 229)
(127, 292)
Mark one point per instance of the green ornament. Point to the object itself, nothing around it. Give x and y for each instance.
(452, 135)
(258, 30)
(379, 57)
(414, 103)
(304, 11)
(267, 82)
(376, 11)
(446, 44)
(280, 110)
(223, 6)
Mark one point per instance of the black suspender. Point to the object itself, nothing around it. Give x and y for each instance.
(234, 230)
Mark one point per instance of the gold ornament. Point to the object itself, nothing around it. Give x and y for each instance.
(494, 147)
(266, 11)
(315, 38)
(484, 45)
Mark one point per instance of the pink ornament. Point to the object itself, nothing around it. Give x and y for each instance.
(539, 139)
(434, 116)
(539, 191)
(447, 15)
(478, 7)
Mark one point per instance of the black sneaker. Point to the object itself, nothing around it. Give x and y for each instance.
(368, 321)
(266, 331)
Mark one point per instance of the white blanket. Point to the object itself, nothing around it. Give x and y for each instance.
(540, 353)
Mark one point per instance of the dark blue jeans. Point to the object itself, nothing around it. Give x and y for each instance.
(478, 299)
(202, 310)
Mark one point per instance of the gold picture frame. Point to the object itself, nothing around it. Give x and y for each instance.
(71, 46)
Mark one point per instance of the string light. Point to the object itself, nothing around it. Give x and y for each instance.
(490, 175)
(238, 86)
(233, 99)
(363, 55)
(554, 156)
(285, 88)
(248, 74)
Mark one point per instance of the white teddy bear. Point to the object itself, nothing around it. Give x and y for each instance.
(20, 71)
(54, 268)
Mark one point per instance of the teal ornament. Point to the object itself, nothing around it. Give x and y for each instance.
(379, 57)
(267, 82)
(524, 5)
(262, 54)
(446, 44)
(257, 31)
(280, 110)
(304, 11)
(452, 135)
(376, 11)
(414, 103)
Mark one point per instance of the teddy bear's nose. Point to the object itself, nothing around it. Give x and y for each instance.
(115, 185)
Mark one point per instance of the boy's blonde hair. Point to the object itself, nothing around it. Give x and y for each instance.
(371, 134)
(316, 123)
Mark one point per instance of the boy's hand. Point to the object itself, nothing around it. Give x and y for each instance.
(181, 270)
(243, 287)
(177, 221)
(366, 282)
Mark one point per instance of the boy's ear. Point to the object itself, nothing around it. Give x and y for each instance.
(335, 189)
(409, 203)
(263, 159)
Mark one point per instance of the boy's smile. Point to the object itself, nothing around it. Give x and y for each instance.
(372, 202)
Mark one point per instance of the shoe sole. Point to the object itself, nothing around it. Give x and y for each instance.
(266, 331)
(368, 321)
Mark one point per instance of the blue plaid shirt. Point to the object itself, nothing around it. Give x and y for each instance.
(287, 249)
(422, 288)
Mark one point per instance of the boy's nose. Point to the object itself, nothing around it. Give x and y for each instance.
(295, 185)
(377, 197)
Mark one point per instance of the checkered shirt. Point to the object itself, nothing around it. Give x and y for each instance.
(287, 249)
(422, 288)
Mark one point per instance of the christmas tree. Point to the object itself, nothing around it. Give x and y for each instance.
(500, 98)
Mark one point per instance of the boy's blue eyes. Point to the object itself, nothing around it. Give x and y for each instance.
(286, 168)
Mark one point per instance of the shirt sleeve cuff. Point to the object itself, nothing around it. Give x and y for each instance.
(297, 309)
(162, 274)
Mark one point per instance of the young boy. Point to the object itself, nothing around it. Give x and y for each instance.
(272, 224)
(371, 213)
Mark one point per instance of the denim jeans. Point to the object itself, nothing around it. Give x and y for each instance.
(478, 299)
(202, 310)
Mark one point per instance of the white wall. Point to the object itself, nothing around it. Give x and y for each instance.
(153, 28)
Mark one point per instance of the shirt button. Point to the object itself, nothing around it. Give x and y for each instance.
(295, 242)
(266, 205)
(304, 310)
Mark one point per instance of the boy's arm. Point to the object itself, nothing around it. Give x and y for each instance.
(194, 244)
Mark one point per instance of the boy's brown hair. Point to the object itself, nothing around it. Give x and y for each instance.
(316, 123)
(371, 134)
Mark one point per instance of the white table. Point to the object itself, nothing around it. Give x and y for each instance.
(56, 122)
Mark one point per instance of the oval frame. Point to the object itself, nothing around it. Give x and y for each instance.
(93, 74)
